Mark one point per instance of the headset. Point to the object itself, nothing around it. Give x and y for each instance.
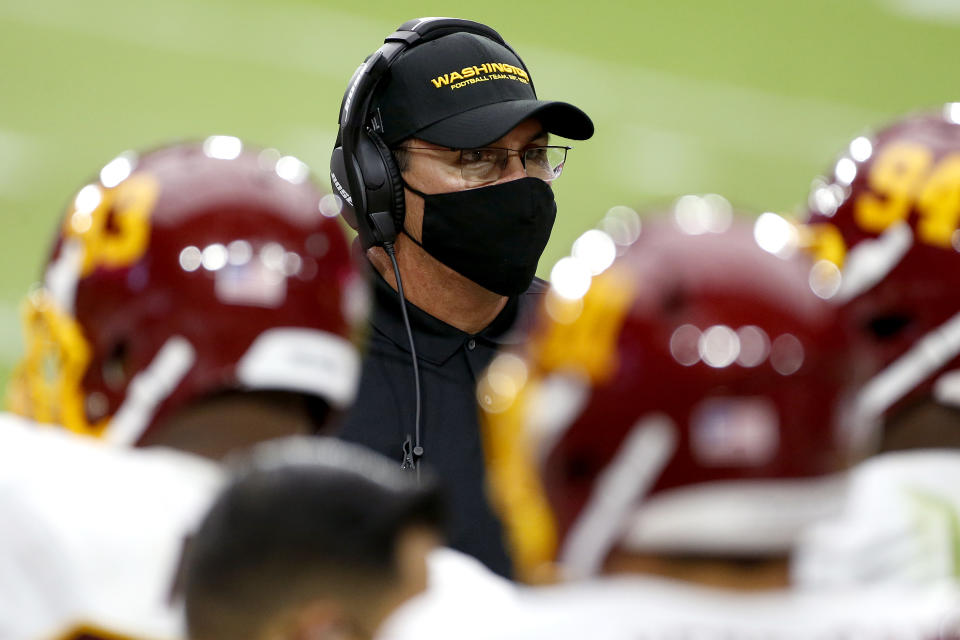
(363, 171)
(365, 175)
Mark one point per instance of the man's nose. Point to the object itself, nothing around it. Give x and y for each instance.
(514, 169)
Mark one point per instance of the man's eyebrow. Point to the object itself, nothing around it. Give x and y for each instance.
(543, 133)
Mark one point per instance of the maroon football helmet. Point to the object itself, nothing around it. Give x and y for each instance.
(888, 216)
(189, 270)
(685, 399)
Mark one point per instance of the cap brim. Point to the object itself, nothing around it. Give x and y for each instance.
(486, 124)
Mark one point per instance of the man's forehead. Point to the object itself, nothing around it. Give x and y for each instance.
(528, 131)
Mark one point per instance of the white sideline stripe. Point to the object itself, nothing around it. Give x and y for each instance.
(314, 144)
(278, 36)
(19, 154)
(11, 334)
(673, 132)
(287, 37)
(662, 162)
(595, 77)
(936, 11)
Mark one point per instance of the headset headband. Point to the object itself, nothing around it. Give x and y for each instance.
(407, 35)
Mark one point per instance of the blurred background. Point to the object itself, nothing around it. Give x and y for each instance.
(750, 99)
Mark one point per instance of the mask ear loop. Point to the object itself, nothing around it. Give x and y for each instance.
(406, 185)
(403, 227)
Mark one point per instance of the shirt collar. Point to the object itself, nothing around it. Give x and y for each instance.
(435, 340)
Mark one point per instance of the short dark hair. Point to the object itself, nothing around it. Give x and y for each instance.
(304, 517)
(402, 157)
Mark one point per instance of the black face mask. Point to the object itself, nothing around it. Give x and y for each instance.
(492, 235)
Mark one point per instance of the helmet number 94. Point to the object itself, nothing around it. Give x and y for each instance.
(905, 177)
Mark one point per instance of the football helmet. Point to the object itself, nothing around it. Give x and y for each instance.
(189, 270)
(682, 393)
(887, 216)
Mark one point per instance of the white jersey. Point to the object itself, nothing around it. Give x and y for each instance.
(900, 524)
(91, 534)
(886, 568)
(461, 594)
(640, 607)
(467, 602)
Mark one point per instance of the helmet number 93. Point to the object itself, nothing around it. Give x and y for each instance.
(113, 224)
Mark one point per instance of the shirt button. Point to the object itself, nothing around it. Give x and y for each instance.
(471, 344)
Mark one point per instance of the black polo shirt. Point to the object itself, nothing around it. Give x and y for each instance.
(450, 362)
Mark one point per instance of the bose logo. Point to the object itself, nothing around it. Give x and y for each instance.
(340, 189)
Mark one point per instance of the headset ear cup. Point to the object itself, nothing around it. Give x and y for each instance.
(398, 205)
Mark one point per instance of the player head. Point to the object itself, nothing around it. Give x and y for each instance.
(314, 538)
(884, 226)
(198, 296)
(680, 399)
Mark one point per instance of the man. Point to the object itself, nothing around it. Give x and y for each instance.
(448, 111)
(196, 298)
(672, 429)
(313, 538)
(884, 228)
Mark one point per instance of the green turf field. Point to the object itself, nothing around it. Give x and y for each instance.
(750, 99)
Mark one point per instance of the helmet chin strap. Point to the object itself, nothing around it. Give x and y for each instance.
(618, 489)
(870, 261)
(63, 274)
(928, 354)
(148, 389)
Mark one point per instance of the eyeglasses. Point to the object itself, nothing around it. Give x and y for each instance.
(482, 166)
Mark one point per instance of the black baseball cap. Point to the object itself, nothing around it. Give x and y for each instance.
(464, 91)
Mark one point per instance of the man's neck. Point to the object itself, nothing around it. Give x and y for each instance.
(437, 289)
